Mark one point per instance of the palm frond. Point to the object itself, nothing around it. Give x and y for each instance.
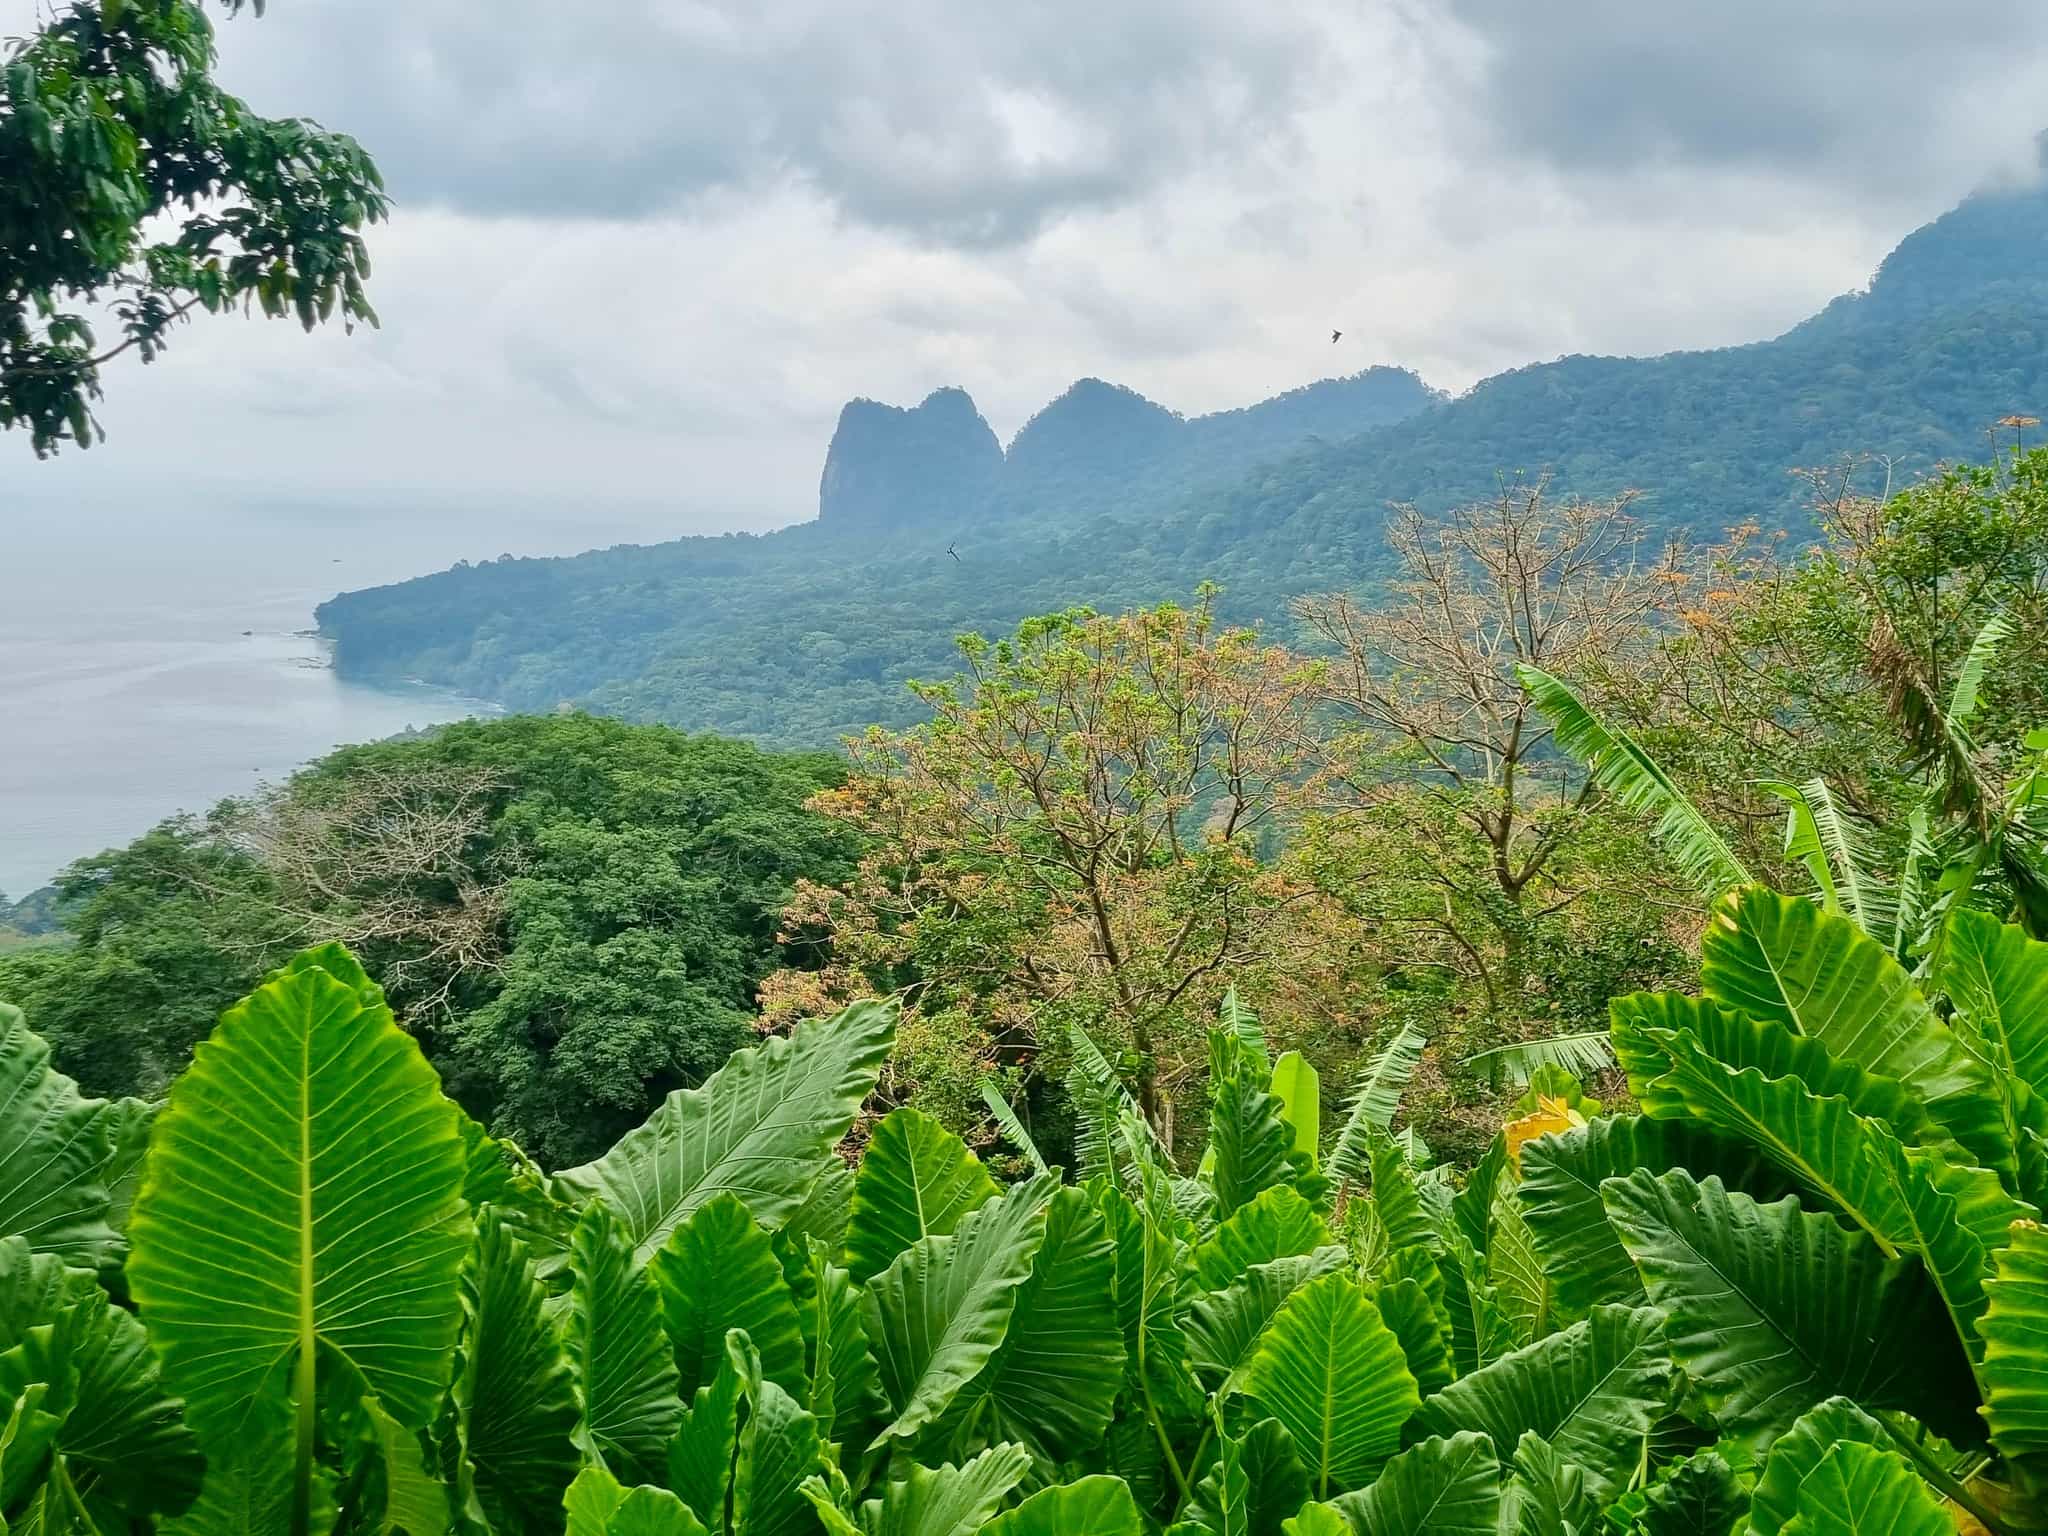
(1581, 1054)
(1109, 1115)
(1374, 1098)
(1836, 850)
(1802, 840)
(1620, 766)
(1911, 922)
(1962, 699)
(1006, 1117)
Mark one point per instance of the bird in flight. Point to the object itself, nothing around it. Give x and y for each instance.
(953, 552)
(1334, 337)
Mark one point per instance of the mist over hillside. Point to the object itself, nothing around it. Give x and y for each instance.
(927, 526)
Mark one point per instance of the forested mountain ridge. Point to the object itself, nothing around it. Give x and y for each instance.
(1106, 499)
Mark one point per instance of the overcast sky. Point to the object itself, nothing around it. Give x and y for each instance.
(644, 249)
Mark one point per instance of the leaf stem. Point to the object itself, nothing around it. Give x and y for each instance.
(1950, 1486)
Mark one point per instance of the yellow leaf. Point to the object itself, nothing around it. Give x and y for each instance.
(1550, 1115)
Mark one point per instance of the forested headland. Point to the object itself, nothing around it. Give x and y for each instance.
(799, 636)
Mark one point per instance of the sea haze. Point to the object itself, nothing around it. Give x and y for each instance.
(157, 659)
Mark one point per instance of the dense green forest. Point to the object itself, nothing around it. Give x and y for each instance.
(578, 912)
(811, 632)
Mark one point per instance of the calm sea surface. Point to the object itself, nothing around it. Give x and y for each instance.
(155, 662)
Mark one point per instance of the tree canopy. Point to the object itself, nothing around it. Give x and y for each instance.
(134, 190)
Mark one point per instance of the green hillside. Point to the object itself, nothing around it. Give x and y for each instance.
(1107, 499)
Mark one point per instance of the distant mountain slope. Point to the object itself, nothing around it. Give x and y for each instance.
(1107, 499)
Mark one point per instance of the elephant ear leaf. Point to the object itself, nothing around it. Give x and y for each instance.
(1442, 1487)
(514, 1396)
(1798, 1451)
(762, 1129)
(1332, 1372)
(625, 1367)
(719, 1272)
(1701, 1496)
(598, 1505)
(1252, 1146)
(1593, 1390)
(54, 1146)
(313, 1118)
(1784, 960)
(1859, 1489)
(119, 1433)
(939, 1313)
(1773, 1309)
(1088, 1506)
(946, 1500)
(1054, 1381)
(916, 1180)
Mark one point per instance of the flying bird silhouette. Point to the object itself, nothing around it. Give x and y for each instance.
(953, 552)
(1334, 335)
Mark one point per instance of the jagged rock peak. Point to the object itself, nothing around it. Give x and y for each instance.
(888, 466)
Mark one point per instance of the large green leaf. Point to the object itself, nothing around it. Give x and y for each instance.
(719, 1272)
(777, 1450)
(1774, 1309)
(2015, 1330)
(1546, 1495)
(1332, 1372)
(1996, 979)
(1374, 1099)
(916, 1180)
(1088, 1506)
(1592, 1390)
(1441, 1487)
(761, 1129)
(302, 1195)
(1398, 1199)
(845, 1392)
(1859, 1490)
(937, 1315)
(1222, 1330)
(1560, 1196)
(596, 1504)
(1480, 1330)
(1956, 1217)
(1252, 1147)
(1785, 960)
(1516, 1268)
(1054, 1379)
(1255, 1481)
(1821, 1142)
(121, 1436)
(1421, 1326)
(1151, 1262)
(514, 1393)
(1276, 1225)
(625, 1366)
(1701, 1496)
(930, 1501)
(415, 1501)
(700, 1458)
(1299, 1087)
(54, 1147)
(1798, 1451)
(1640, 1023)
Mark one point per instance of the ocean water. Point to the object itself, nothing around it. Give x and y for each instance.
(156, 659)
